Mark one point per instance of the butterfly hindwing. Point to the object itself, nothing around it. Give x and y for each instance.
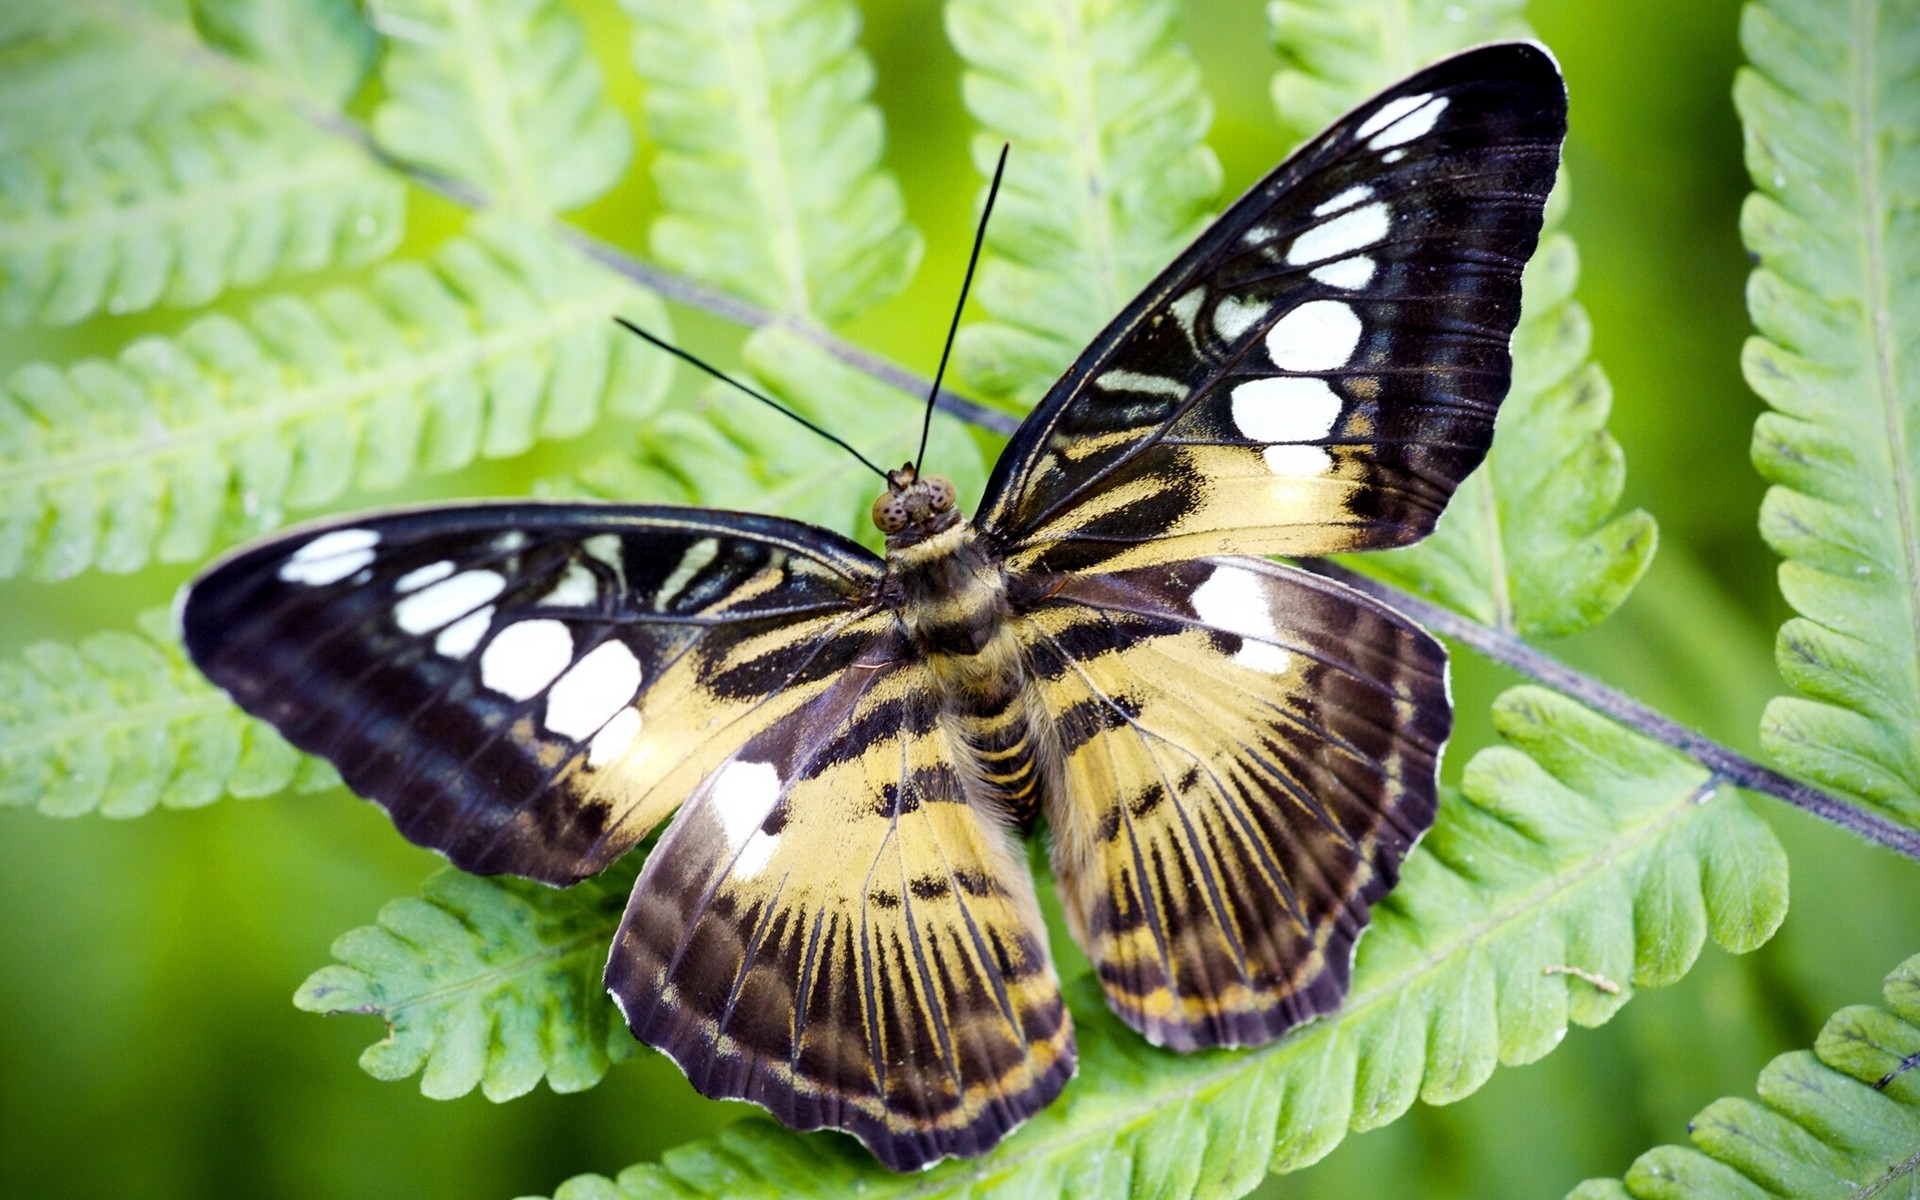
(530, 687)
(830, 928)
(1321, 369)
(1250, 751)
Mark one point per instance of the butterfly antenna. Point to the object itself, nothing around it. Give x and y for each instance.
(762, 397)
(979, 237)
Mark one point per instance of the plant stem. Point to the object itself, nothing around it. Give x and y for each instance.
(1502, 647)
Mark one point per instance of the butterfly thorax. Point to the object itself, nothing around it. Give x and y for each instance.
(950, 592)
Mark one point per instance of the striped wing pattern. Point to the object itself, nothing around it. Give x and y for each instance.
(530, 688)
(1250, 753)
(1321, 369)
(832, 930)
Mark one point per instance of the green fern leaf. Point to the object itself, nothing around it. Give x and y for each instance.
(769, 154)
(1336, 53)
(121, 724)
(1108, 178)
(181, 209)
(1830, 105)
(733, 454)
(1578, 845)
(1528, 544)
(181, 443)
(502, 96)
(1840, 1120)
(488, 983)
(320, 48)
(67, 82)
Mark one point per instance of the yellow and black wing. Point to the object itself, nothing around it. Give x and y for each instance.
(525, 687)
(830, 929)
(1320, 370)
(1250, 752)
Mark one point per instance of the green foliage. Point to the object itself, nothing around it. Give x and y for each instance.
(1579, 844)
(1527, 545)
(502, 96)
(1830, 108)
(321, 49)
(68, 82)
(488, 983)
(178, 210)
(1335, 53)
(1840, 1120)
(732, 453)
(769, 153)
(1108, 177)
(121, 724)
(184, 443)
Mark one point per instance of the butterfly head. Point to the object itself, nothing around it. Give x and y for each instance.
(914, 504)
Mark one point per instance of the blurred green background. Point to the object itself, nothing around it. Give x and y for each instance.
(148, 1047)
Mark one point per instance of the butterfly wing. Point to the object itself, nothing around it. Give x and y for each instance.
(1321, 369)
(1250, 752)
(830, 929)
(529, 688)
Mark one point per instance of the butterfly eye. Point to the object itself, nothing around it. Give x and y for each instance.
(939, 492)
(890, 513)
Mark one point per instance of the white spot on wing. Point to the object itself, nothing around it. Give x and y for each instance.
(1297, 461)
(525, 657)
(753, 856)
(742, 797)
(1393, 156)
(1355, 229)
(1350, 274)
(1232, 317)
(416, 579)
(1289, 408)
(614, 738)
(458, 639)
(1134, 381)
(330, 557)
(1418, 123)
(576, 589)
(1320, 335)
(697, 557)
(1233, 599)
(1390, 112)
(1346, 199)
(592, 690)
(1186, 308)
(444, 601)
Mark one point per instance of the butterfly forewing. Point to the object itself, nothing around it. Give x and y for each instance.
(529, 688)
(831, 929)
(1250, 751)
(1322, 368)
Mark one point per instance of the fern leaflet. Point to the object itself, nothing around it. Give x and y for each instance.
(1108, 178)
(502, 96)
(322, 49)
(1840, 1120)
(121, 724)
(65, 83)
(183, 443)
(181, 209)
(769, 163)
(1830, 104)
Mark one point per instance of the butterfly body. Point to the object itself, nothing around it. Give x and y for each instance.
(1231, 757)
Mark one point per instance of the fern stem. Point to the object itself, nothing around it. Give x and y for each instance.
(1734, 768)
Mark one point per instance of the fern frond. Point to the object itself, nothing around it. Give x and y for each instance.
(181, 209)
(68, 82)
(1830, 102)
(121, 724)
(183, 442)
(1335, 53)
(769, 154)
(734, 454)
(502, 96)
(321, 49)
(1840, 1120)
(1578, 844)
(488, 983)
(1108, 178)
(1529, 544)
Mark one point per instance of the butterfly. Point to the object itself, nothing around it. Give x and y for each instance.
(1230, 757)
